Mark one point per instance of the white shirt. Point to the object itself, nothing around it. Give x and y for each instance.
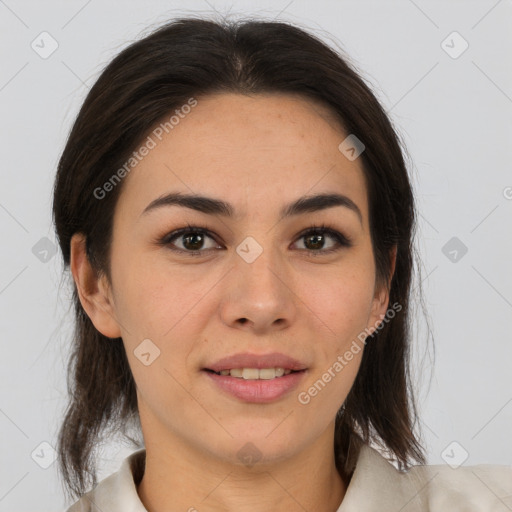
(376, 485)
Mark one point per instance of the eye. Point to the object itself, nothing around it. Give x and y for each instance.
(191, 237)
(315, 237)
(192, 240)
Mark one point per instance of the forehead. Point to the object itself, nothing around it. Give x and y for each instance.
(256, 152)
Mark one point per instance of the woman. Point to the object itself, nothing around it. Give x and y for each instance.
(235, 210)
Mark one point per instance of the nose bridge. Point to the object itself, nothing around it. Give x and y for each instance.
(258, 263)
(258, 291)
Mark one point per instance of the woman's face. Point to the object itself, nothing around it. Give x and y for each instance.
(257, 284)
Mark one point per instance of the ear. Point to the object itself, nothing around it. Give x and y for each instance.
(94, 292)
(381, 297)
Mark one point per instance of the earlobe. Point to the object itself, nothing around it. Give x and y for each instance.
(381, 298)
(93, 291)
(379, 308)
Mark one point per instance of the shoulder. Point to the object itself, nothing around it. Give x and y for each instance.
(117, 492)
(376, 482)
(482, 487)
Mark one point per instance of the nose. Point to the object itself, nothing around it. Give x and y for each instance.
(258, 294)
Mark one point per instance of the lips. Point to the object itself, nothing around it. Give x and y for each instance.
(278, 375)
(259, 361)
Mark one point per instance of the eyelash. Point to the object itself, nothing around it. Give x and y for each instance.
(342, 240)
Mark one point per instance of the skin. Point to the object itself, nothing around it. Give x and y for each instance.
(257, 153)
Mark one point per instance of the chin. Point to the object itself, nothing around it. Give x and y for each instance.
(253, 446)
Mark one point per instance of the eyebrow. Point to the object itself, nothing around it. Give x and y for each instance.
(212, 206)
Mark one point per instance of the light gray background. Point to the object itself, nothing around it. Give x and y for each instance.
(455, 115)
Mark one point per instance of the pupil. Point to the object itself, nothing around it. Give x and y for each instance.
(318, 243)
(197, 244)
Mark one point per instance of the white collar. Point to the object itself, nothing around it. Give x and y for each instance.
(376, 485)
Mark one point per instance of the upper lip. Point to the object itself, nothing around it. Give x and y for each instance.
(248, 360)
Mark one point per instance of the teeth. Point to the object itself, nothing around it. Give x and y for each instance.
(251, 373)
(255, 373)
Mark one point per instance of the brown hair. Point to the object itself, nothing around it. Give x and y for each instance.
(150, 79)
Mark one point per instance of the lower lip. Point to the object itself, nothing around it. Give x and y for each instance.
(257, 390)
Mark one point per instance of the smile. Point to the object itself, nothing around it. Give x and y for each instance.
(255, 373)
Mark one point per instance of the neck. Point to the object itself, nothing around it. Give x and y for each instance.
(179, 478)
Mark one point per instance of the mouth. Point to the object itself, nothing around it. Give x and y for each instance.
(255, 373)
(246, 364)
(256, 378)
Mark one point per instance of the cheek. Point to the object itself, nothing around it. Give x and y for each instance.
(341, 302)
(155, 298)
(166, 309)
